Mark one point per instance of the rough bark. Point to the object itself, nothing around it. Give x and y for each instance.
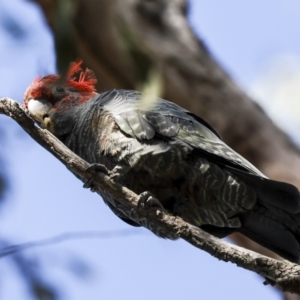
(121, 40)
(284, 274)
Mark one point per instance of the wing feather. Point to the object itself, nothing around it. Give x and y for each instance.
(169, 120)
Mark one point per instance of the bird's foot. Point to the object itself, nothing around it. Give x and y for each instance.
(93, 169)
(147, 200)
(118, 171)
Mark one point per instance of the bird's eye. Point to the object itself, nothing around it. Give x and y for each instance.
(60, 89)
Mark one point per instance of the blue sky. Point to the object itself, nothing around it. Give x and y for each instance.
(246, 35)
(46, 200)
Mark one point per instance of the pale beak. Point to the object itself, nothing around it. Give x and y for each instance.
(39, 109)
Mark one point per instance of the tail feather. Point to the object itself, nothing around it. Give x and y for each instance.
(274, 222)
(272, 234)
(275, 193)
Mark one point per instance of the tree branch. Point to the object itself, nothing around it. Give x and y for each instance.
(285, 275)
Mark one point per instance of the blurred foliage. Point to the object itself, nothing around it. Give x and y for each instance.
(65, 43)
(147, 70)
(32, 275)
(28, 269)
(3, 184)
(39, 288)
(13, 28)
(3, 175)
(10, 24)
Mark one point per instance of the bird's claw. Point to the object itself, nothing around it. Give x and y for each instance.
(114, 175)
(146, 200)
(117, 172)
(93, 169)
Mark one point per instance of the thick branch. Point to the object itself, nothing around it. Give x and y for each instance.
(284, 274)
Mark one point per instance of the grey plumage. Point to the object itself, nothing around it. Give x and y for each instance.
(182, 161)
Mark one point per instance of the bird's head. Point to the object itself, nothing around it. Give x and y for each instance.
(46, 95)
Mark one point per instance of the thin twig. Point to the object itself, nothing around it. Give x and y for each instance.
(67, 236)
(283, 274)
